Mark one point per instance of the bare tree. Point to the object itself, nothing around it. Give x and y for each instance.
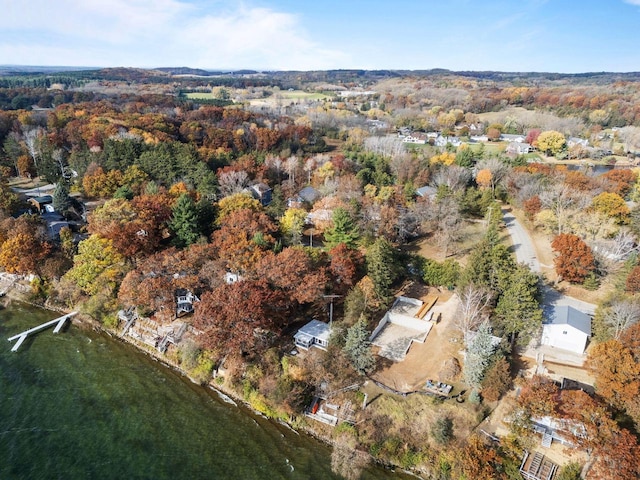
(473, 308)
(497, 168)
(621, 315)
(454, 177)
(32, 137)
(388, 146)
(291, 166)
(274, 162)
(233, 181)
(447, 222)
(563, 201)
(630, 137)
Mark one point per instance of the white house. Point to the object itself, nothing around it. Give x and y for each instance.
(442, 141)
(508, 137)
(313, 334)
(419, 138)
(568, 329)
(573, 141)
(518, 148)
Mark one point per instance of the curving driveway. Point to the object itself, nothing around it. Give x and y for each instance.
(526, 253)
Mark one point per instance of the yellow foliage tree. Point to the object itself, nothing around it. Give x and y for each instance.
(235, 202)
(484, 177)
(612, 205)
(445, 158)
(551, 142)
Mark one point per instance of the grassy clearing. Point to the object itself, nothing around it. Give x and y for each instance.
(300, 95)
(201, 96)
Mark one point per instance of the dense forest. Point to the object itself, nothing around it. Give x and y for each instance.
(270, 197)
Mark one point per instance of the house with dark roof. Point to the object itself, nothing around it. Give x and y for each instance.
(309, 194)
(262, 192)
(42, 204)
(567, 329)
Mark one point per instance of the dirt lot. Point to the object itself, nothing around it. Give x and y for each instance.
(424, 361)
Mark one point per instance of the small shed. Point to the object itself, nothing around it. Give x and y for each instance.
(41, 203)
(313, 334)
(568, 329)
(427, 192)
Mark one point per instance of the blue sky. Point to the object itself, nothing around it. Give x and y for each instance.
(517, 35)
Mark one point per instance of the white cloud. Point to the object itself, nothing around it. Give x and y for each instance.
(158, 33)
(633, 2)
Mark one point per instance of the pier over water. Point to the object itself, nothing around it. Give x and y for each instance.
(58, 322)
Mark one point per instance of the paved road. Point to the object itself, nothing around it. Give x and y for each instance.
(522, 244)
(526, 253)
(36, 191)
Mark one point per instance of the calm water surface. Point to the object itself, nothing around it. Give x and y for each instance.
(80, 405)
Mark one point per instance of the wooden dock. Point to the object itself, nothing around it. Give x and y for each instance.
(58, 322)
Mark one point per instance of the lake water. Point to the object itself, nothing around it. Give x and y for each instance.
(81, 405)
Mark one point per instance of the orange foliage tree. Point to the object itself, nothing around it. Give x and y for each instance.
(574, 259)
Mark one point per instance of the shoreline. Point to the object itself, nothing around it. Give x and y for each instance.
(225, 395)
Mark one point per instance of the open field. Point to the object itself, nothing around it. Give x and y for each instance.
(300, 95)
(201, 96)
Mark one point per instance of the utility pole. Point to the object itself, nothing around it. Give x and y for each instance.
(332, 297)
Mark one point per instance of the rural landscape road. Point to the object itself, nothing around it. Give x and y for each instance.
(526, 253)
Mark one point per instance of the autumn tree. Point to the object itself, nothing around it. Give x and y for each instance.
(25, 245)
(478, 459)
(621, 181)
(238, 201)
(293, 273)
(243, 238)
(532, 207)
(611, 205)
(551, 142)
(532, 136)
(633, 280)
(574, 259)
(233, 316)
(292, 223)
(497, 380)
(616, 371)
(345, 265)
(97, 267)
(539, 397)
(483, 178)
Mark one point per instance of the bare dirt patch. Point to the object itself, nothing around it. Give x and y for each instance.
(424, 361)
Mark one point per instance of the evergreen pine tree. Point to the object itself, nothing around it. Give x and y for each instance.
(184, 222)
(518, 311)
(381, 267)
(358, 348)
(344, 230)
(61, 199)
(478, 355)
